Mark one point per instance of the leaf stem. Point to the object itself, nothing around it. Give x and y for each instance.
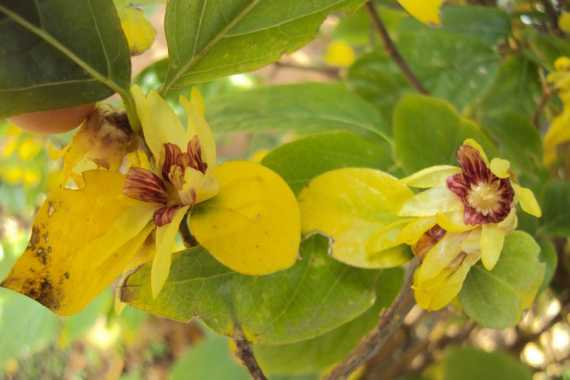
(245, 353)
(390, 322)
(392, 50)
(124, 93)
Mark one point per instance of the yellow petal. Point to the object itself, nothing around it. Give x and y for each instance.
(198, 126)
(350, 206)
(564, 22)
(81, 241)
(432, 202)
(339, 54)
(138, 30)
(413, 231)
(165, 242)
(453, 222)
(431, 177)
(159, 122)
(441, 255)
(500, 168)
(204, 186)
(253, 224)
(436, 293)
(474, 144)
(528, 202)
(492, 240)
(386, 237)
(427, 11)
(557, 134)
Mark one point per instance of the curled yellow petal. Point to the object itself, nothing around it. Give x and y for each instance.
(413, 231)
(138, 30)
(165, 242)
(81, 241)
(349, 206)
(431, 202)
(198, 126)
(492, 240)
(500, 168)
(527, 200)
(253, 224)
(159, 122)
(453, 222)
(431, 177)
(474, 144)
(427, 11)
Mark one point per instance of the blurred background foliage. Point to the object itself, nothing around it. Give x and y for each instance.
(490, 63)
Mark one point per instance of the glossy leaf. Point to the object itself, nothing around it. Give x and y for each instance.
(314, 355)
(497, 298)
(208, 39)
(317, 295)
(305, 108)
(300, 161)
(57, 53)
(428, 131)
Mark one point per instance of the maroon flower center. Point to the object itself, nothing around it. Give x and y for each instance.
(166, 190)
(486, 197)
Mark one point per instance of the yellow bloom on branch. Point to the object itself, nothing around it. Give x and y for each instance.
(559, 131)
(83, 239)
(427, 11)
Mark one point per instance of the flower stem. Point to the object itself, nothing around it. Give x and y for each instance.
(390, 322)
(392, 50)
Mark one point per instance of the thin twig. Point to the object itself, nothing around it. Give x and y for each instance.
(245, 353)
(392, 50)
(389, 323)
(328, 71)
(552, 17)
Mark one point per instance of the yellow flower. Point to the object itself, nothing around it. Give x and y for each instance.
(464, 216)
(427, 11)
(564, 22)
(340, 54)
(29, 148)
(83, 239)
(31, 177)
(12, 175)
(559, 131)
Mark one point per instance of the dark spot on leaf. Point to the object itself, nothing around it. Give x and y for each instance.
(42, 255)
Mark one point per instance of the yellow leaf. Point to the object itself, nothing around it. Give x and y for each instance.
(81, 241)
(412, 232)
(253, 224)
(340, 54)
(454, 221)
(165, 242)
(350, 206)
(432, 202)
(138, 30)
(427, 11)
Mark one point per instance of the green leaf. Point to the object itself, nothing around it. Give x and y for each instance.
(455, 62)
(549, 257)
(300, 161)
(315, 296)
(497, 298)
(545, 48)
(556, 209)
(306, 108)
(314, 355)
(60, 53)
(473, 364)
(428, 131)
(25, 325)
(210, 39)
(209, 359)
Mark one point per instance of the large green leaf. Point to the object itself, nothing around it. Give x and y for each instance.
(25, 325)
(314, 355)
(556, 209)
(59, 53)
(472, 364)
(428, 131)
(456, 62)
(545, 48)
(309, 107)
(210, 39)
(300, 161)
(313, 297)
(497, 298)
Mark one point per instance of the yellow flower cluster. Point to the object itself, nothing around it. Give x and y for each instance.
(559, 131)
(17, 151)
